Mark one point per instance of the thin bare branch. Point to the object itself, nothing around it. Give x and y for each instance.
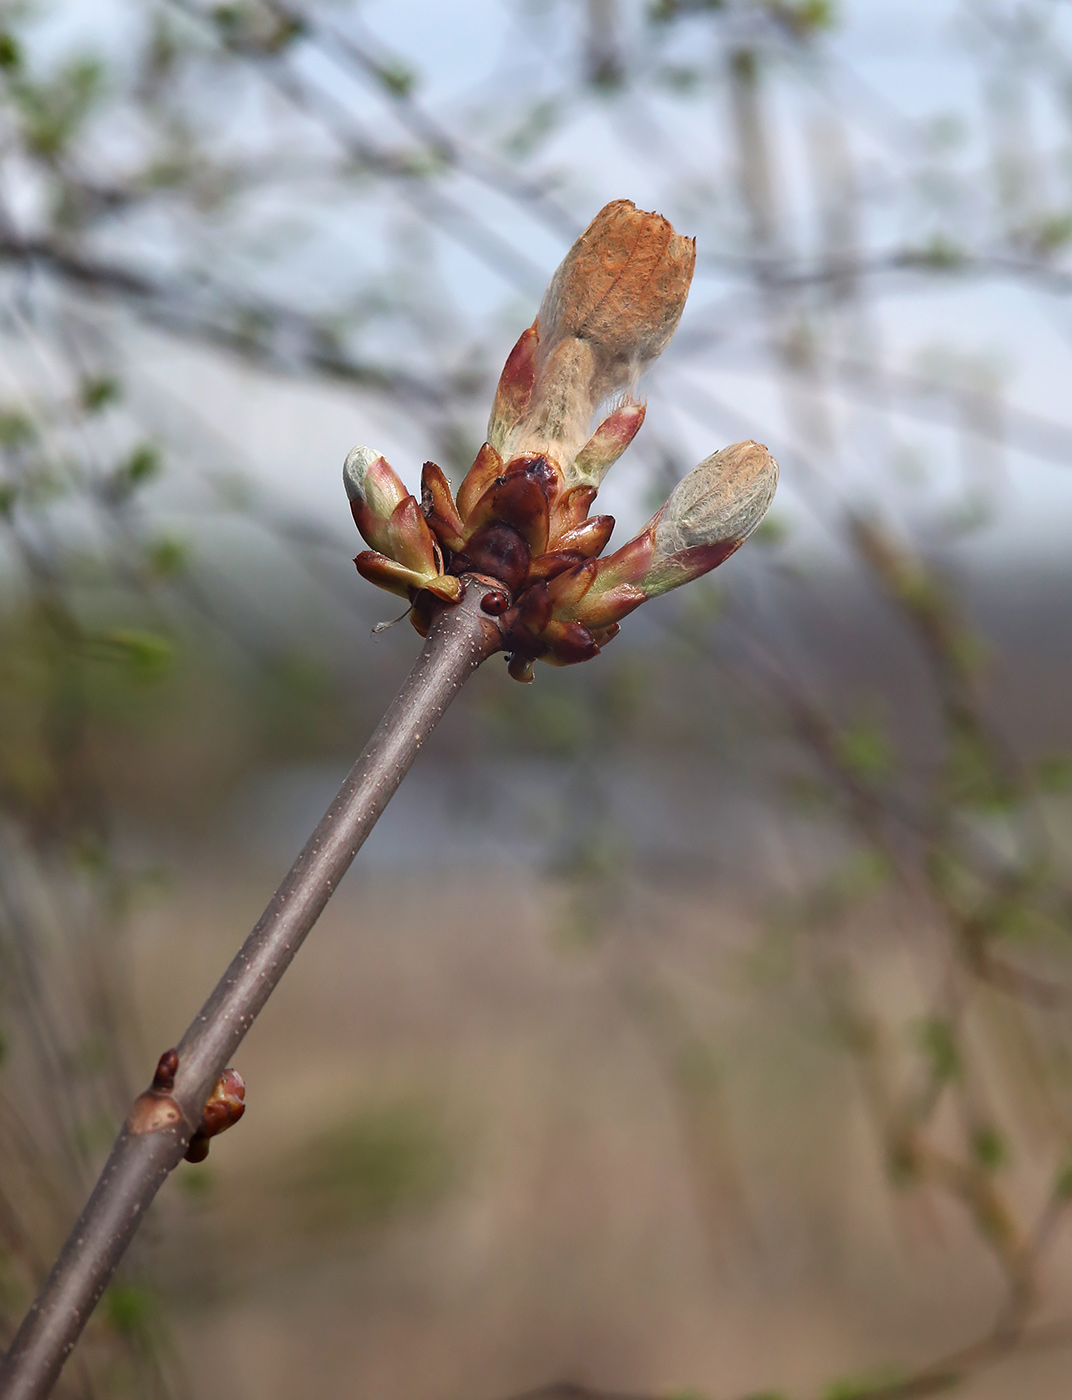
(162, 1121)
(278, 337)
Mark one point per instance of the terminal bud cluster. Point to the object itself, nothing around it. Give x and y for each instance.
(521, 519)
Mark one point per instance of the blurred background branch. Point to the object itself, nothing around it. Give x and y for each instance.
(709, 1031)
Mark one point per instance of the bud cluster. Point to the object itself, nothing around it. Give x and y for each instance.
(520, 519)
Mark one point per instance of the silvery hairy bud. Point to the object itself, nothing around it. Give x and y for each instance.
(710, 514)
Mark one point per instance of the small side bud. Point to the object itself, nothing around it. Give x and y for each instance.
(606, 444)
(404, 554)
(438, 507)
(371, 481)
(478, 479)
(710, 514)
(167, 1067)
(223, 1108)
(156, 1108)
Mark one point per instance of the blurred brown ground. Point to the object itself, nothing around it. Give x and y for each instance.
(555, 1218)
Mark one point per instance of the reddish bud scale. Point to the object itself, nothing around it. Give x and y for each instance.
(515, 387)
(609, 607)
(520, 524)
(570, 510)
(481, 474)
(687, 565)
(520, 668)
(166, 1069)
(519, 500)
(410, 541)
(497, 550)
(439, 508)
(524, 529)
(589, 538)
(608, 442)
(549, 566)
(611, 587)
(372, 528)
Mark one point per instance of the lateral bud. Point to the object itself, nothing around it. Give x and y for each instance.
(223, 1108)
(157, 1108)
(709, 515)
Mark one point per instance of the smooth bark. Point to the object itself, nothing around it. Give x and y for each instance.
(154, 1139)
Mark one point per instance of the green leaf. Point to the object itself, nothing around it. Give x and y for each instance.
(854, 1387)
(866, 749)
(941, 254)
(860, 876)
(1054, 773)
(148, 654)
(1053, 232)
(52, 112)
(15, 428)
(812, 15)
(129, 1308)
(541, 119)
(968, 650)
(228, 17)
(935, 1037)
(1062, 1184)
(972, 774)
(989, 1147)
(98, 391)
(167, 557)
(10, 54)
(383, 1161)
(397, 78)
(679, 77)
(143, 464)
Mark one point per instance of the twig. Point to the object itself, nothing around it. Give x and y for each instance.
(265, 332)
(932, 1379)
(947, 1372)
(156, 1135)
(567, 1390)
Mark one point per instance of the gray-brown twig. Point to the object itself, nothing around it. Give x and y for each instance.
(157, 1134)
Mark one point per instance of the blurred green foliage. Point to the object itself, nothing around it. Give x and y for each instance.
(384, 1160)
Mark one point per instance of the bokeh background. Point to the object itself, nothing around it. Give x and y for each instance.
(697, 1021)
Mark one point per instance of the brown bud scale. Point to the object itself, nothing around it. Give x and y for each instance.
(157, 1108)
